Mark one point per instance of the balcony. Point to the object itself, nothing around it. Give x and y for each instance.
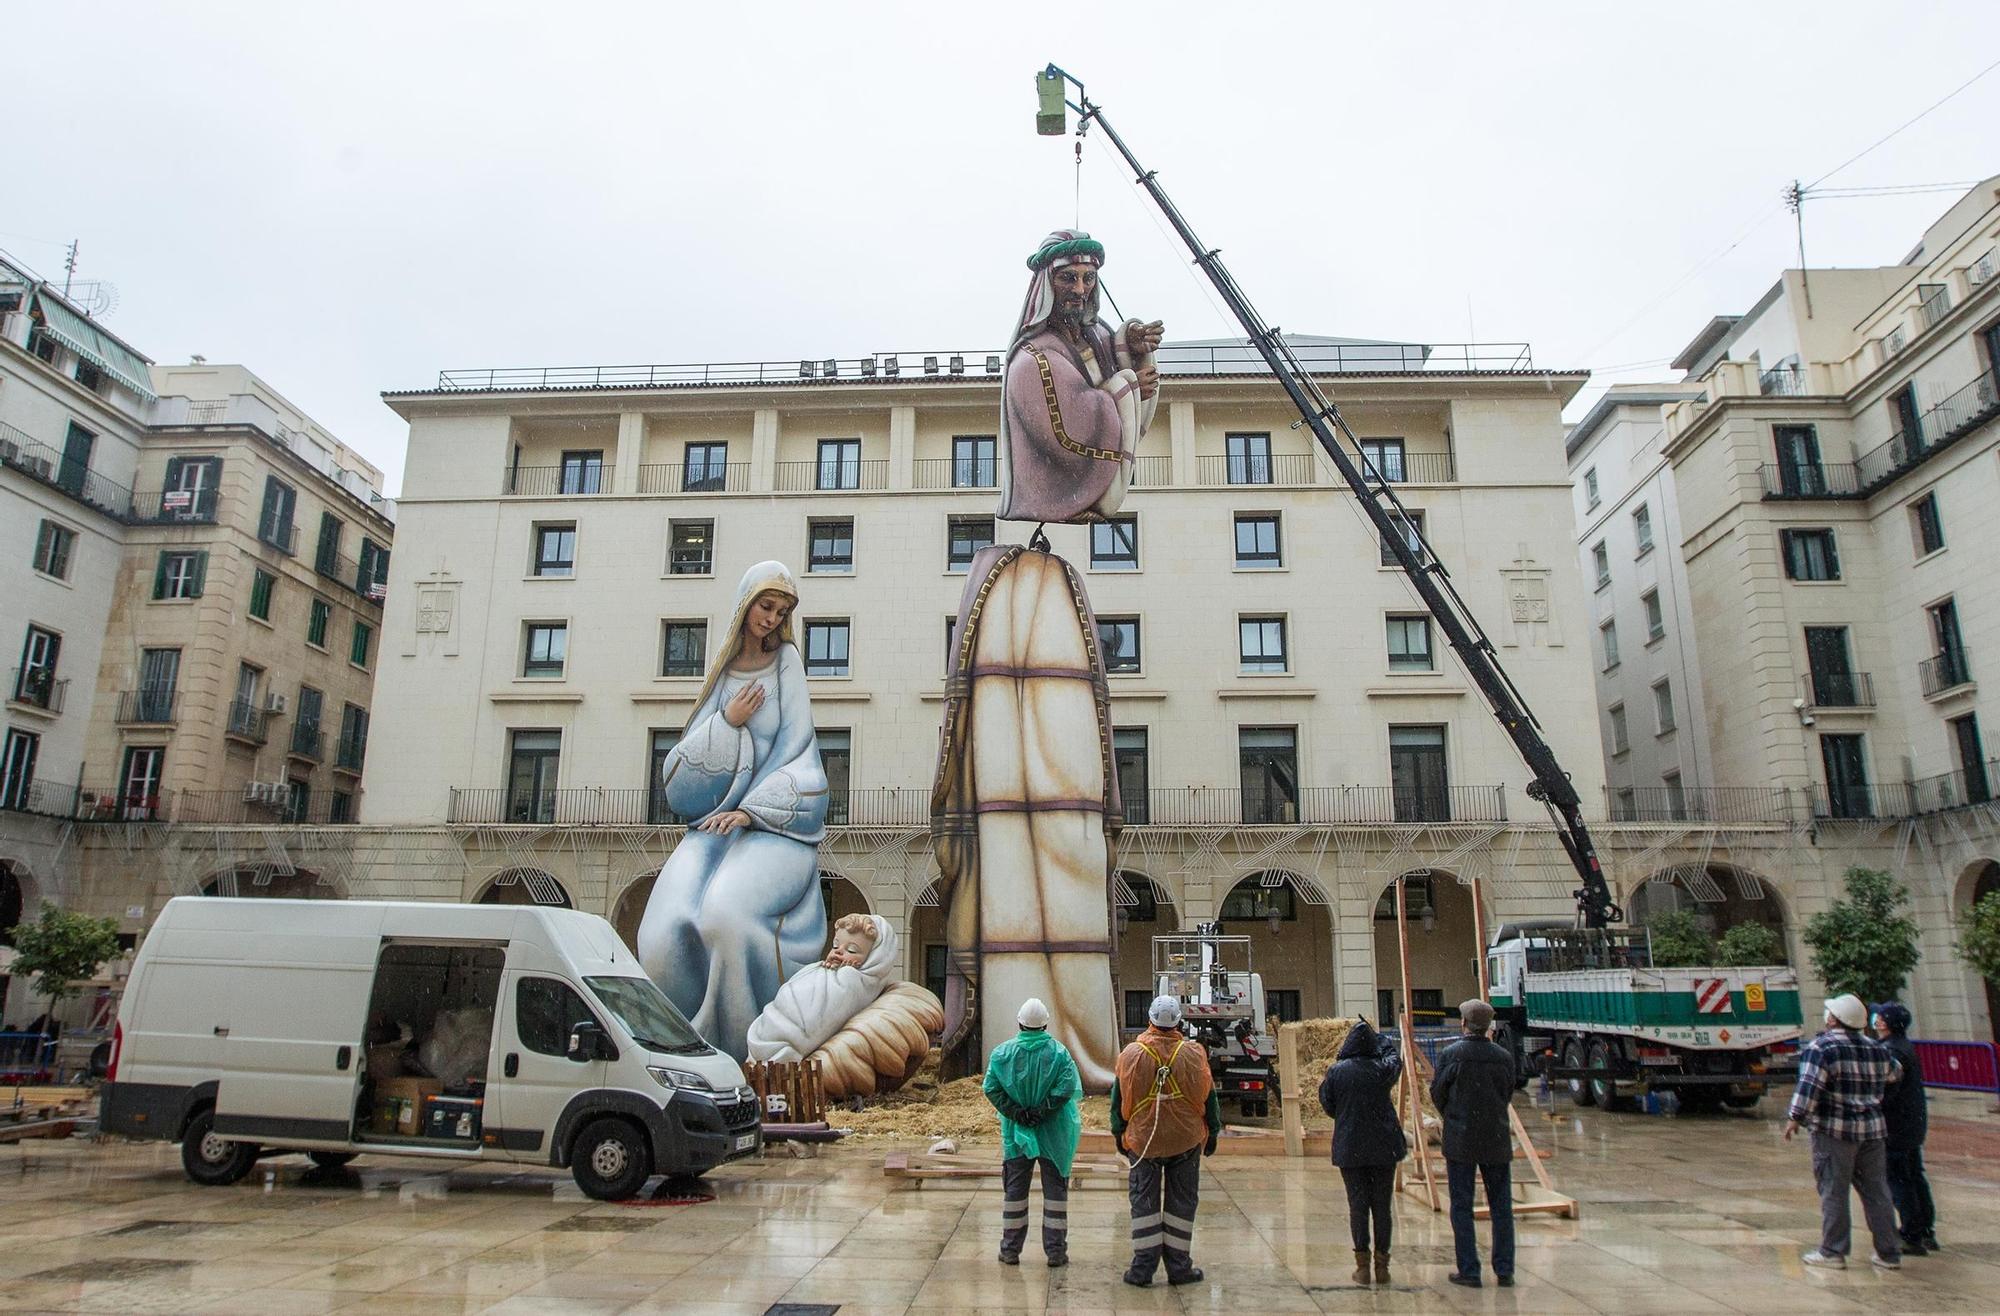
(1967, 408)
(1935, 305)
(248, 722)
(1955, 790)
(1228, 806)
(1708, 804)
(147, 707)
(1864, 802)
(830, 477)
(1820, 480)
(263, 804)
(284, 537)
(1151, 472)
(349, 752)
(1782, 381)
(957, 473)
(557, 481)
(1840, 689)
(174, 507)
(679, 477)
(1282, 468)
(37, 460)
(49, 799)
(1944, 672)
(37, 687)
(349, 575)
(308, 741)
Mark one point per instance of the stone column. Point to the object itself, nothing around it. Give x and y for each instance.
(902, 447)
(631, 450)
(1180, 434)
(763, 449)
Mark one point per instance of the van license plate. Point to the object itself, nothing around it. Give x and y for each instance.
(745, 1141)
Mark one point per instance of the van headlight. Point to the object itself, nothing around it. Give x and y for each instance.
(679, 1079)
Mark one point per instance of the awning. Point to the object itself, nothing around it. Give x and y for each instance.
(95, 346)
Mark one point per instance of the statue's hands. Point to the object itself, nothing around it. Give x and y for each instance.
(743, 704)
(724, 823)
(1149, 380)
(1144, 338)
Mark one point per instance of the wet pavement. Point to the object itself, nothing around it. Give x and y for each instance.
(1694, 1214)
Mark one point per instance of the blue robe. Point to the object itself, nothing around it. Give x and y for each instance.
(732, 916)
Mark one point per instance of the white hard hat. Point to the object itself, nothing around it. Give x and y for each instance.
(1165, 1011)
(1033, 1014)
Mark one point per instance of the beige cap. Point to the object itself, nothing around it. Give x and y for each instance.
(1476, 1014)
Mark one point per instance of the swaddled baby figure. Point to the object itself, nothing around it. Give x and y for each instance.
(818, 1000)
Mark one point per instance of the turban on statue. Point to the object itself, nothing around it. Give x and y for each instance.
(1064, 247)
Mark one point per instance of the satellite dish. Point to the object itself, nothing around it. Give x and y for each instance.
(97, 297)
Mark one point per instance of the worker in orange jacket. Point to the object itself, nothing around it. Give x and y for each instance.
(1165, 1116)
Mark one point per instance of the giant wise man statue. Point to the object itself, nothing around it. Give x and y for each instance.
(1077, 396)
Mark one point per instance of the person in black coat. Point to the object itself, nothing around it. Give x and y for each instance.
(1473, 1090)
(1905, 1108)
(1367, 1138)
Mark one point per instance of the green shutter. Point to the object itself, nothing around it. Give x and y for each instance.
(358, 651)
(200, 574)
(160, 577)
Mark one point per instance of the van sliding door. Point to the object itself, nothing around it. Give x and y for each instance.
(291, 1051)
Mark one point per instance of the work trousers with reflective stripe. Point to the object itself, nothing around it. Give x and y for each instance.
(1164, 1227)
(1016, 1172)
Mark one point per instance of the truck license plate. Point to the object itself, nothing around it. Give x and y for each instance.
(745, 1141)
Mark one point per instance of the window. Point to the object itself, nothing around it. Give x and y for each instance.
(659, 748)
(89, 376)
(326, 560)
(1903, 415)
(1410, 644)
(1249, 458)
(340, 807)
(1417, 778)
(261, 582)
(1260, 644)
(555, 549)
(1383, 457)
(159, 675)
(1136, 1005)
(1267, 765)
(197, 477)
(1677, 805)
(140, 782)
(966, 535)
(690, 548)
(826, 648)
(839, 464)
(972, 462)
(583, 471)
(1663, 706)
(1591, 499)
(706, 468)
(545, 1012)
(546, 649)
(683, 647)
(937, 970)
(1145, 906)
(245, 718)
(1258, 541)
(371, 578)
(1600, 557)
(1114, 544)
(533, 759)
(1656, 621)
(1847, 793)
(1948, 668)
(1251, 901)
(1118, 640)
(1926, 524)
(316, 623)
(353, 746)
(53, 546)
(179, 575)
(1413, 536)
(1620, 739)
(74, 471)
(1608, 632)
(1800, 472)
(950, 643)
(836, 757)
(17, 768)
(35, 684)
(1810, 554)
(830, 550)
(1642, 530)
(357, 648)
(1285, 1004)
(274, 523)
(1418, 899)
(1128, 757)
(1971, 758)
(1829, 669)
(305, 723)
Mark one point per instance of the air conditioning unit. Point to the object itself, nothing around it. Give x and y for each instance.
(9, 451)
(274, 704)
(42, 467)
(253, 792)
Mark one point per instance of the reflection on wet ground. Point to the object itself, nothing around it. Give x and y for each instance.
(1697, 1214)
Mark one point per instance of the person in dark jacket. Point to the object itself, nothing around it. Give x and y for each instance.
(1473, 1090)
(1904, 1106)
(1367, 1139)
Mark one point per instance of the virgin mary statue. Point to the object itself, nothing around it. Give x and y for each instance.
(736, 909)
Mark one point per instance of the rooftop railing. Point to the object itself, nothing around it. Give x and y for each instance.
(262, 804)
(557, 481)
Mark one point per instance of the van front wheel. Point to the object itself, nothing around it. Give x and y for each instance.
(212, 1160)
(610, 1160)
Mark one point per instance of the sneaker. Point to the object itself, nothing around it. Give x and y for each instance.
(1881, 1262)
(1466, 1281)
(1819, 1258)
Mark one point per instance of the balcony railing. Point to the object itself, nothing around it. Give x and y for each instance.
(1956, 790)
(870, 476)
(284, 538)
(262, 804)
(1715, 804)
(147, 706)
(957, 473)
(679, 477)
(174, 507)
(110, 804)
(557, 481)
(1935, 306)
(1820, 480)
(1782, 381)
(350, 575)
(1892, 800)
(248, 721)
(349, 752)
(1278, 468)
(50, 799)
(1152, 472)
(1964, 410)
(308, 741)
(1944, 671)
(1841, 689)
(37, 687)
(32, 457)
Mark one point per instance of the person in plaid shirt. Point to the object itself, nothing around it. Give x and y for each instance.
(1842, 1076)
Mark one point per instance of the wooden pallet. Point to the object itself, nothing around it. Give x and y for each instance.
(1088, 1171)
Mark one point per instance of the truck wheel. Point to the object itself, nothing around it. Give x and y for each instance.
(211, 1160)
(1579, 1088)
(331, 1160)
(610, 1160)
(1603, 1090)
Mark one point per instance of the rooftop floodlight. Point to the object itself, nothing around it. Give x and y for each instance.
(957, 364)
(993, 365)
(830, 368)
(868, 366)
(806, 369)
(930, 365)
(892, 366)
(1051, 115)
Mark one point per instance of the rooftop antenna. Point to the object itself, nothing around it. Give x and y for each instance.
(1795, 201)
(69, 265)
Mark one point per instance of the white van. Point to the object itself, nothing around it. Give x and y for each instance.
(464, 1032)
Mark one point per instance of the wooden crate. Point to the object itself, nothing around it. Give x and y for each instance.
(797, 1081)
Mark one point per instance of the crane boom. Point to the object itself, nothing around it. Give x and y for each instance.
(1550, 784)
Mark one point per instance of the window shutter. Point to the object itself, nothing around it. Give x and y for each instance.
(1832, 557)
(160, 578)
(200, 574)
(174, 465)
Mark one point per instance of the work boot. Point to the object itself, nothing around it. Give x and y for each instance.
(1382, 1267)
(1192, 1275)
(1360, 1266)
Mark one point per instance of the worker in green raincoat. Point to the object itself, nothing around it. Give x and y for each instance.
(1033, 1083)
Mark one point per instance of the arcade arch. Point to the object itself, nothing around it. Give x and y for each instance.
(263, 882)
(525, 886)
(839, 894)
(1291, 940)
(17, 898)
(1719, 895)
(1979, 880)
(1141, 909)
(1444, 946)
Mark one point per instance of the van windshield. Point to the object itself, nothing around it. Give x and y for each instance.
(649, 1016)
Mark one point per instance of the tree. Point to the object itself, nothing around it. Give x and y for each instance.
(1749, 943)
(1679, 939)
(1979, 937)
(61, 949)
(1864, 944)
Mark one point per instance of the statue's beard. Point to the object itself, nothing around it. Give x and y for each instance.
(1074, 318)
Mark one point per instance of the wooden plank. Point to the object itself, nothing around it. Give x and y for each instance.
(1413, 1064)
(1288, 1092)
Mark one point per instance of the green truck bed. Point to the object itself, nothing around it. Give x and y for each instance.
(1702, 1008)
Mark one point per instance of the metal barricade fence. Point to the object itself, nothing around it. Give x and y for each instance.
(1974, 1066)
(27, 1057)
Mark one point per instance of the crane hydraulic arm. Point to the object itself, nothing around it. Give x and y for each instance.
(1550, 784)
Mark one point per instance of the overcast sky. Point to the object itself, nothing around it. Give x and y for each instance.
(351, 197)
